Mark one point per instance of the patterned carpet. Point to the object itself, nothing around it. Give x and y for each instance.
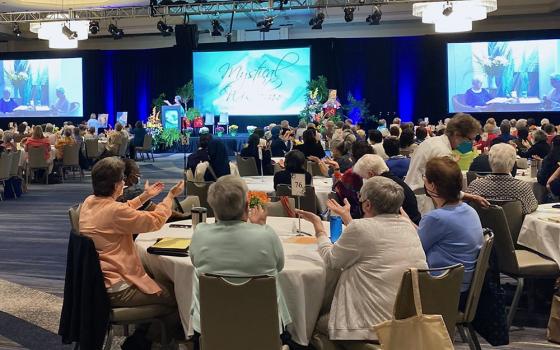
(33, 243)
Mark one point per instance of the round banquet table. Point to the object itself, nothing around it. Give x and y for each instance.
(302, 280)
(541, 232)
(322, 185)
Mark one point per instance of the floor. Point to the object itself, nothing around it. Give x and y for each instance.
(33, 243)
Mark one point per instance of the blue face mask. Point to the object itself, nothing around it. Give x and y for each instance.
(464, 147)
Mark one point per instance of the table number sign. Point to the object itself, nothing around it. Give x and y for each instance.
(298, 185)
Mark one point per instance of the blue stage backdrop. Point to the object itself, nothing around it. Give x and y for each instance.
(251, 83)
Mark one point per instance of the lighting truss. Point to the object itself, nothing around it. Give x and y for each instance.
(193, 9)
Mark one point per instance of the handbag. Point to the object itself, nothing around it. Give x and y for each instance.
(419, 332)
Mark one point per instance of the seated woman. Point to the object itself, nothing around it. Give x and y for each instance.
(452, 232)
(254, 149)
(294, 163)
(522, 140)
(540, 147)
(340, 155)
(397, 163)
(373, 254)
(38, 140)
(550, 165)
(111, 224)
(238, 244)
(407, 144)
(500, 185)
(201, 154)
(218, 160)
(115, 140)
(139, 133)
(65, 139)
(310, 146)
(278, 146)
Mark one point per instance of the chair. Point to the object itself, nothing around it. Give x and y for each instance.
(5, 165)
(14, 167)
(74, 108)
(71, 159)
(308, 202)
(514, 216)
(459, 104)
(36, 161)
(200, 189)
(187, 204)
(239, 314)
(522, 163)
(465, 318)
(209, 120)
(439, 294)
(314, 169)
(224, 121)
(247, 166)
(473, 175)
(74, 216)
(123, 147)
(92, 149)
(277, 209)
(146, 147)
(518, 264)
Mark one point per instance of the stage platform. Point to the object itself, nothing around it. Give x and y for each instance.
(233, 143)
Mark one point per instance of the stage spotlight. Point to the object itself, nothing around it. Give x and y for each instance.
(69, 33)
(447, 9)
(375, 17)
(265, 24)
(116, 32)
(164, 28)
(349, 14)
(317, 21)
(16, 30)
(94, 27)
(217, 28)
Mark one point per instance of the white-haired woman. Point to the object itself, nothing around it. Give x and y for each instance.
(500, 185)
(238, 244)
(373, 253)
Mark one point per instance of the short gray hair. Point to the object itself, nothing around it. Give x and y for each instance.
(385, 195)
(539, 136)
(502, 157)
(228, 198)
(369, 162)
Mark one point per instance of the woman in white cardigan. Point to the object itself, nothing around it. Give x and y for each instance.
(373, 254)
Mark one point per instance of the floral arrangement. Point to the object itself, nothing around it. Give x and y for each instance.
(256, 198)
(19, 78)
(220, 130)
(188, 131)
(251, 129)
(233, 128)
(192, 113)
(494, 65)
(204, 130)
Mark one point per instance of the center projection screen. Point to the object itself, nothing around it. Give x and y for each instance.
(251, 83)
(504, 76)
(41, 88)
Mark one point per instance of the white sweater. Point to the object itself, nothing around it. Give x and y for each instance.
(373, 253)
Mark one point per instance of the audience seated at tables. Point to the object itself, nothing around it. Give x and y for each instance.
(294, 163)
(490, 132)
(481, 165)
(8, 141)
(111, 224)
(259, 153)
(90, 134)
(218, 159)
(278, 146)
(77, 135)
(115, 139)
(38, 140)
(522, 140)
(452, 232)
(373, 253)
(395, 131)
(302, 126)
(201, 154)
(464, 155)
(501, 185)
(341, 159)
(50, 134)
(65, 139)
(371, 165)
(421, 134)
(397, 163)
(375, 139)
(549, 167)
(505, 133)
(238, 244)
(310, 146)
(550, 131)
(406, 140)
(540, 147)
(139, 133)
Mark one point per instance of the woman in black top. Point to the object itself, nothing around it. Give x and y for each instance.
(218, 160)
(550, 162)
(252, 150)
(201, 154)
(540, 148)
(278, 146)
(294, 164)
(310, 146)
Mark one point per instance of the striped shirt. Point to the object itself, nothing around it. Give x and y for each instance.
(505, 187)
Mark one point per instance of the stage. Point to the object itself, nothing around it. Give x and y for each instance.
(233, 143)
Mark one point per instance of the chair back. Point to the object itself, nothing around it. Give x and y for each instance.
(224, 119)
(71, 155)
(36, 158)
(200, 189)
(74, 215)
(495, 219)
(473, 175)
(247, 166)
(406, 152)
(313, 168)
(147, 145)
(14, 167)
(123, 147)
(239, 315)
(513, 210)
(277, 208)
(209, 119)
(478, 278)
(92, 148)
(522, 163)
(5, 165)
(439, 294)
(308, 202)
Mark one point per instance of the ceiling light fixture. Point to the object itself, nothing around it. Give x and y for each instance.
(165, 29)
(454, 16)
(116, 32)
(94, 27)
(69, 33)
(217, 28)
(375, 18)
(317, 21)
(349, 13)
(61, 31)
(265, 24)
(16, 30)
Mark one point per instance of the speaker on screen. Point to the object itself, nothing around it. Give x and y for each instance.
(186, 35)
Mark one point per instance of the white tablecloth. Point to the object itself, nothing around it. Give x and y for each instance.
(540, 234)
(302, 280)
(323, 186)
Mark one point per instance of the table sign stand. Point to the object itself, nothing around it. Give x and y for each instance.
(184, 143)
(261, 161)
(298, 190)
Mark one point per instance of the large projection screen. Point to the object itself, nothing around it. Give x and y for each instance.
(251, 83)
(504, 76)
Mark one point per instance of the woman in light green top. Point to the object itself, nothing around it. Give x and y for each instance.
(238, 244)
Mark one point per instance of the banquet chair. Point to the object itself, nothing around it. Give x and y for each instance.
(239, 313)
(308, 202)
(247, 166)
(515, 263)
(522, 163)
(15, 168)
(200, 189)
(276, 208)
(71, 159)
(473, 175)
(209, 120)
(92, 149)
(186, 204)
(224, 121)
(514, 217)
(5, 165)
(439, 294)
(313, 168)
(465, 317)
(36, 161)
(146, 148)
(123, 147)
(74, 216)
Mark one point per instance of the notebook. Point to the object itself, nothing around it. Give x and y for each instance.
(172, 246)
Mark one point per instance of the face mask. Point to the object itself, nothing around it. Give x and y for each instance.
(464, 147)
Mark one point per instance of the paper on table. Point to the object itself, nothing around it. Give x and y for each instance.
(302, 240)
(172, 243)
(555, 219)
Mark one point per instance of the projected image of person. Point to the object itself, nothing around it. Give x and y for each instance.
(552, 100)
(476, 95)
(61, 105)
(178, 101)
(7, 104)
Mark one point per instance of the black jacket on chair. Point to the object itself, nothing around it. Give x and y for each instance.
(86, 306)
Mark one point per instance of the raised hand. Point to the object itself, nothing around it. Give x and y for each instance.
(257, 215)
(177, 189)
(153, 190)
